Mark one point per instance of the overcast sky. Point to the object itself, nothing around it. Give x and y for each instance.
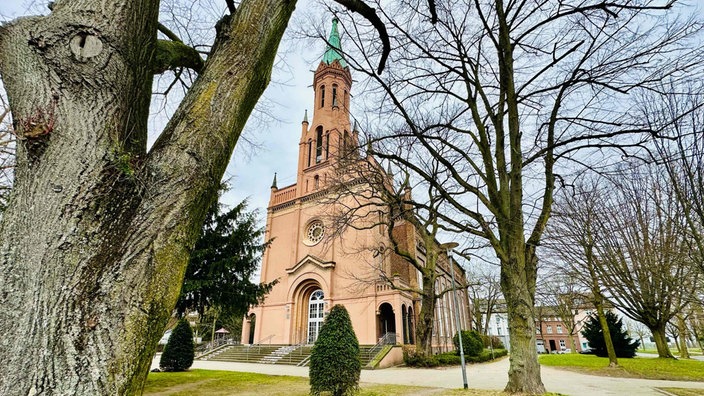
(288, 95)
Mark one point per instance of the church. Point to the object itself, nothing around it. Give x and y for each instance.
(316, 268)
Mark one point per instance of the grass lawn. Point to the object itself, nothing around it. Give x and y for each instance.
(692, 351)
(650, 368)
(220, 383)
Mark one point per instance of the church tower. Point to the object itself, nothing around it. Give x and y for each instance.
(329, 131)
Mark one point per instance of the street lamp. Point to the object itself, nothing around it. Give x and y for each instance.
(449, 246)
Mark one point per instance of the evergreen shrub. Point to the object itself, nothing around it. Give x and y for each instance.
(334, 360)
(178, 352)
(494, 341)
(471, 343)
(624, 345)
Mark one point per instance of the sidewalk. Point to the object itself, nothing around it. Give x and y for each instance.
(492, 376)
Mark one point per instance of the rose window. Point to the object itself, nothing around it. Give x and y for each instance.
(315, 232)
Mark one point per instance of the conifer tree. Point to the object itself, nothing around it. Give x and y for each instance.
(334, 360)
(624, 345)
(178, 352)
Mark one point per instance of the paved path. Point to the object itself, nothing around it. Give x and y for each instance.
(491, 376)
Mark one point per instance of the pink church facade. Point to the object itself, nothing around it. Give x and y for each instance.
(315, 270)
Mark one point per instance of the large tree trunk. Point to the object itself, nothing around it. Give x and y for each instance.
(661, 341)
(682, 326)
(96, 238)
(519, 292)
(424, 328)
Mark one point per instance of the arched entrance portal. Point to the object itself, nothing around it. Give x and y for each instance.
(316, 310)
(252, 323)
(386, 321)
(410, 318)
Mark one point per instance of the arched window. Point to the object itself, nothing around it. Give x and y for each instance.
(322, 96)
(334, 95)
(344, 100)
(318, 144)
(327, 145)
(310, 147)
(316, 181)
(316, 311)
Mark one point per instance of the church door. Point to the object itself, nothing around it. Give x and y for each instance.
(315, 315)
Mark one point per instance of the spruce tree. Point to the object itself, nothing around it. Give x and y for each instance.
(178, 352)
(334, 360)
(624, 345)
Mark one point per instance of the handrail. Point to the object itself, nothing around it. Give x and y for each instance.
(387, 339)
(266, 339)
(259, 344)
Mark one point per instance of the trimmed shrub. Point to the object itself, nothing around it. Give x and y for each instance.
(471, 342)
(448, 358)
(334, 360)
(485, 356)
(494, 341)
(178, 352)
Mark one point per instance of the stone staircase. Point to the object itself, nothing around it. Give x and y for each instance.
(296, 355)
(244, 353)
(279, 354)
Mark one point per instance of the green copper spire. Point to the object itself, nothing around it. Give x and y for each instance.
(334, 50)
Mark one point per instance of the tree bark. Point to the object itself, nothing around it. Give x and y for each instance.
(96, 238)
(524, 370)
(661, 341)
(424, 329)
(684, 351)
(610, 351)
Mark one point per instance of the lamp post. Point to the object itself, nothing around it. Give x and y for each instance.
(449, 246)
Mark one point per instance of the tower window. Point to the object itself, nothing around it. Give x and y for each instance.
(318, 144)
(334, 95)
(327, 145)
(316, 182)
(310, 147)
(344, 99)
(322, 96)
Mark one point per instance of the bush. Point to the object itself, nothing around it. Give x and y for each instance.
(178, 352)
(446, 359)
(471, 343)
(413, 359)
(334, 360)
(485, 356)
(494, 341)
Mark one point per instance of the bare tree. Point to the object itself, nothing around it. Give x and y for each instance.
(408, 255)
(572, 239)
(645, 262)
(485, 295)
(679, 149)
(640, 330)
(498, 92)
